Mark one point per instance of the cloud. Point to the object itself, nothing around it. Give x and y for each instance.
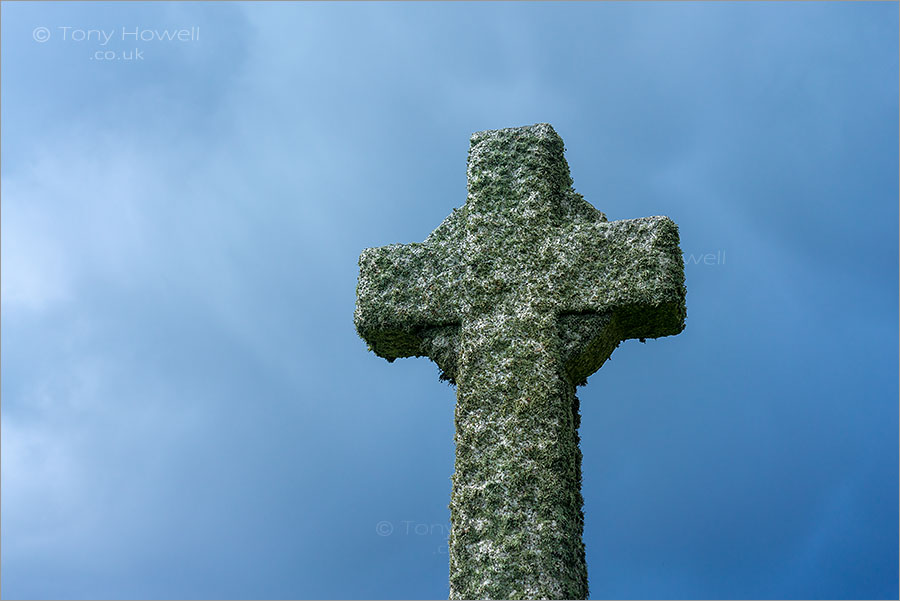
(74, 213)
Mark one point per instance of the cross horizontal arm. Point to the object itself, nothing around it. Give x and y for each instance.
(631, 269)
(403, 290)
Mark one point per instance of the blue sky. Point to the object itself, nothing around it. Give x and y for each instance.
(188, 412)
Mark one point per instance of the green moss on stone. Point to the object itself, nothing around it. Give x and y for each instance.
(518, 297)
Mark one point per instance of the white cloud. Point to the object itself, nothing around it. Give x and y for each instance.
(84, 450)
(75, 210)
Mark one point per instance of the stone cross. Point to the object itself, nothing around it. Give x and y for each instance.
(518, 297)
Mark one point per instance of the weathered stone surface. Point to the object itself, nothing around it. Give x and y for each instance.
(518, 297)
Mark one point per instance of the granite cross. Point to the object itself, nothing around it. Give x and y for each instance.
(518, 297)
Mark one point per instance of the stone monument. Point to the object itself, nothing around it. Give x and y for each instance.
(519, 296)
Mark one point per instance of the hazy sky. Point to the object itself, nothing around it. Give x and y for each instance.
(188, 412)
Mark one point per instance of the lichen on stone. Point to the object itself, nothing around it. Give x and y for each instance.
(518, 297)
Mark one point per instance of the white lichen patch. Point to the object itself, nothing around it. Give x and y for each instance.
(519, 296)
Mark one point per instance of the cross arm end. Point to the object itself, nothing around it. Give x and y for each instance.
(633, 268)
(402, 291)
